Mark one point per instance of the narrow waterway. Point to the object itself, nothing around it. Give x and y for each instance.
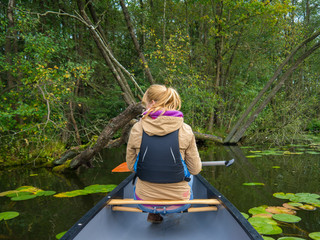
(45, 217)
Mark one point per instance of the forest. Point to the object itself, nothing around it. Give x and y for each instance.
(247, 70)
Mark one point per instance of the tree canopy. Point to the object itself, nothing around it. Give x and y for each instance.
(68, 67)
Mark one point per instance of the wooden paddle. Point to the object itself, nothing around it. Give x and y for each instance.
(124, 168)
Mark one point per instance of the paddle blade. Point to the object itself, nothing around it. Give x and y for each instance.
(123, 167)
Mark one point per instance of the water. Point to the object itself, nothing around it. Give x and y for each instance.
(44, 217)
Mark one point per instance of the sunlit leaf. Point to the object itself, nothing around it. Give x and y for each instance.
(276, 167)
(278, 210)
(308, 207)
(253, 184)
(8, 215)
(315, 235)
(60, 235)
(282, 195)
(286, 218)
(258, 210)
(2, 194)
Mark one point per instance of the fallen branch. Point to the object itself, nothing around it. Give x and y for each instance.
(86, 156)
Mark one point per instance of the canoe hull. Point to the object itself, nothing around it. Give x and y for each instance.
(224, 224)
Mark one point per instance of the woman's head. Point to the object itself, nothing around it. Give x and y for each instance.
(159, 97)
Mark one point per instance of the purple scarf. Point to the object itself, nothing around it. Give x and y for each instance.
(170, 113)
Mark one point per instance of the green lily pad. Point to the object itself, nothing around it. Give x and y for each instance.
(18, 194)
(308, 207)
(260, 220)
(283, 217)
(45, 193)
(60, 235)
(74, 193)
(253, 156)
(258, 210)
(275, 167)
(312, 152)
(282, 195)
(309, 195)
(267, 238)
(100, 188)
(315, 235)
(295, 204)
(8, 215)
(310, 198)
(265, 226)
(23, 197)
(253, 184)
(245, 215)
(291, 238)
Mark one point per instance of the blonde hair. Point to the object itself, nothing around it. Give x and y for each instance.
(165, 99)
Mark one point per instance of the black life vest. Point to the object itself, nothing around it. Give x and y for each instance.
(159, 160)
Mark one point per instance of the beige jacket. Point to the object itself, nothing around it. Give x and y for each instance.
(188, 149)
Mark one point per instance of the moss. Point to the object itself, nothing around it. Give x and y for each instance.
(62, 167)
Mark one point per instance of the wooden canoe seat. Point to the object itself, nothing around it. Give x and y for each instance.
(130, 201)
(116, 204)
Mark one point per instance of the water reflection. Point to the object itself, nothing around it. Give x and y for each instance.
(44, 217)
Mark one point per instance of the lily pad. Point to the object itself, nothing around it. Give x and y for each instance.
(18, 194)
(282, 195)
(100, 188)
(286, 218)
(279, 210)
(253, 156)
(308, 207)
(267, 238)
(263, 215)
(295, 204)
(265, 226)
(253, 184)
(310, 195)
(275, 167)
(315, 235)
(74, 193)
(291, 238)
(258, 210)
(23, 197)
(8, 215)
(287, 205)
(60, 235)
(246, 216)
(312, 152)
(45, 193)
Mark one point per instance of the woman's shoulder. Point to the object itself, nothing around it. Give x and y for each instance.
(185, 127)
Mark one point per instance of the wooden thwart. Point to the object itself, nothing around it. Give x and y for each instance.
(191, 209)
(130, 201)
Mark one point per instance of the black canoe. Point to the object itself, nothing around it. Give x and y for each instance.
(102, 222)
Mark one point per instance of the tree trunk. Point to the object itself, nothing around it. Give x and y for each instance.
(10, 38)
(108, 57)
(135, 42)
(266, 87)
(85, 157)
(241, 130)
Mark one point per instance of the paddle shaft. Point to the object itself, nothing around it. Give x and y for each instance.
(218, 163)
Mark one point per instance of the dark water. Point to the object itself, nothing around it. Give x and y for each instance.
(44, 217)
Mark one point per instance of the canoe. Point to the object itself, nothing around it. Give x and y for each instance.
(223, 221)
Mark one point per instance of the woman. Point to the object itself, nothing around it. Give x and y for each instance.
(157, 146)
